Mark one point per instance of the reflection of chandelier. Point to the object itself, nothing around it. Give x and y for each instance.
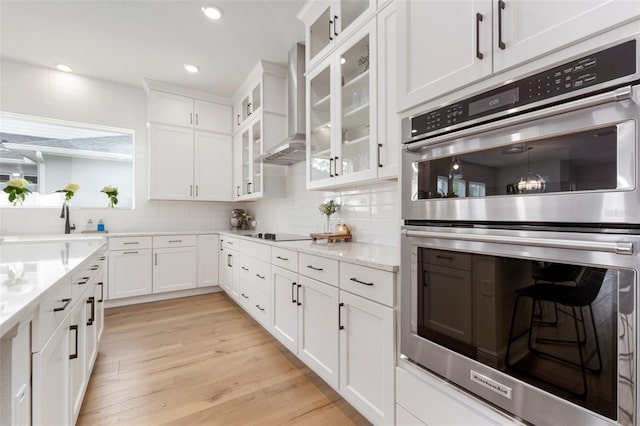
(531, 183)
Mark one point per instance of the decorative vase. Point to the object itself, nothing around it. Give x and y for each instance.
(327, 226)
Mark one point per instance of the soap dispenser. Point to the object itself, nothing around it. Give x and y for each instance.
(100, 225)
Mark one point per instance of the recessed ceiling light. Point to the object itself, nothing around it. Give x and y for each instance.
(343, 60)
(63, 67)
(191, 68)
(212, 11)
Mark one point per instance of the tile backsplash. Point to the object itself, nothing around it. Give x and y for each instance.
(372, 210)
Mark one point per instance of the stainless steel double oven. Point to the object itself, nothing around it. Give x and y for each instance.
(520, 243)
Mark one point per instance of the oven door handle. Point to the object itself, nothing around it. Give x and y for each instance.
(617, 95)
(619, 247)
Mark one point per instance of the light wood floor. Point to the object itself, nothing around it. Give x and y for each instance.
(202, 361)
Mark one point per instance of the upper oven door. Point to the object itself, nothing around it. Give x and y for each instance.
(574, 163)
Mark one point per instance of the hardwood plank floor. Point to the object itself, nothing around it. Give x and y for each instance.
(202, 360)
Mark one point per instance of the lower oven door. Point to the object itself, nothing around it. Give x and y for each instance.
(539, 323)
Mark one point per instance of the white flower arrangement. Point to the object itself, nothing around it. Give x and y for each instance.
(112, 194)
(69, 191)
(17, 190)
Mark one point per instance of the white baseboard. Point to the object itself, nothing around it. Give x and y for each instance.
(160, 296)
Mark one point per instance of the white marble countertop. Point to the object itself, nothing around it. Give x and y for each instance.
(29, 267)
(386, 258)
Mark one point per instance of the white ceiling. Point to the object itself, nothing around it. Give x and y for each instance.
(127, 40)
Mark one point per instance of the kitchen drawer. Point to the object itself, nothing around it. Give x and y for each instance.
(127, 243)
(318, 268)
(52, 310)
(287, 259)
(450, 259)
(82, 275)
(260, 308)
(371, 283)
(255, 272)
(230, 243)
(257, 250)
(167, 241)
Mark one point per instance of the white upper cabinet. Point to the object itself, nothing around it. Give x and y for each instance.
(442, 45)
(212, 117)
(259, 123)
(524, 30)
(178, 110)
(264, 90)
(212, 167)
(446, 45)
(329, 23)
(187, 136)
(341, 95)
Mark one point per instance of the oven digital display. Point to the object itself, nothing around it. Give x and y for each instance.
(508, 97)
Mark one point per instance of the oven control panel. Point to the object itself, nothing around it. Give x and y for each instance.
(599, 67)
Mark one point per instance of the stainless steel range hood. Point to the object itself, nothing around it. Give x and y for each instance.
(292, 149)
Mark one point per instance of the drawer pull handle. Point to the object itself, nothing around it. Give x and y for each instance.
(74, 327)
(130, 252)
(134, 242)
(293, 289)
(282, 258)
(444, 257)
(230, 242)
(260, 276)
(298, 295)
(355, 280)
(66, 303)
(340, 326)
(258, 306)
(83, 281)
(314, 268)
(101, 292)
(244, 268)
(244, 295)
(175, 241)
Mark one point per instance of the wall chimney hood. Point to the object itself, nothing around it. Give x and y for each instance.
(293, 149)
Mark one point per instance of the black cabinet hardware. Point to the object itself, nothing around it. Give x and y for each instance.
(244, 268)
(244, 295)
(298, 295)
(479, 18)
(444, 257)
(379, 156)
(314, 268)
(293, 289)
(335, 165)
(340, 306)
(101, 284)
(335, 22)
(92, 302)
(74, 328)
(282, 258)
(330, 22)
(260, 276)
(355, 280)
(66, 303)
(330, 167)
(501, 6)
(130, 252)
(258, 306)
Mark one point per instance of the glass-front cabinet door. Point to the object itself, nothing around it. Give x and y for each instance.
(246, 162)
(330, 22)
(355, 152)
(340, 91)
(319, 118)
(255, 186)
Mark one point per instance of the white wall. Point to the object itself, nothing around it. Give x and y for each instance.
(44, 92)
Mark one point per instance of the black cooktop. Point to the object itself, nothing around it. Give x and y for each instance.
(280, 237)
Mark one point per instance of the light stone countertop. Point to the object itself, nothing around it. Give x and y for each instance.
(30, 267)
(386, 258)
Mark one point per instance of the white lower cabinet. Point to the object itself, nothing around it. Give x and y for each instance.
(229, 269)
(208, 247)
(15, 375)
(61, 366)
(51, 378)
(318, 329)
(367, 357)
(129, 267)
(284, 325)
(78, 356)
(174, 269)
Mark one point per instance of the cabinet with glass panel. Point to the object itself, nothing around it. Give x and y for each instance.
(331, 22)
(341, 93)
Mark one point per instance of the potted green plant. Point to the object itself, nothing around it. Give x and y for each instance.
(328, 208)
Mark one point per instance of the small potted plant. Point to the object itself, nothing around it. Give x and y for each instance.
(17, 190)
(328, 208)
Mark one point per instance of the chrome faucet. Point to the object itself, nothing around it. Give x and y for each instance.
(65, 214)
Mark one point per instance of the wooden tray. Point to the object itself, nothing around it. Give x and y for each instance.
(330, 237)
